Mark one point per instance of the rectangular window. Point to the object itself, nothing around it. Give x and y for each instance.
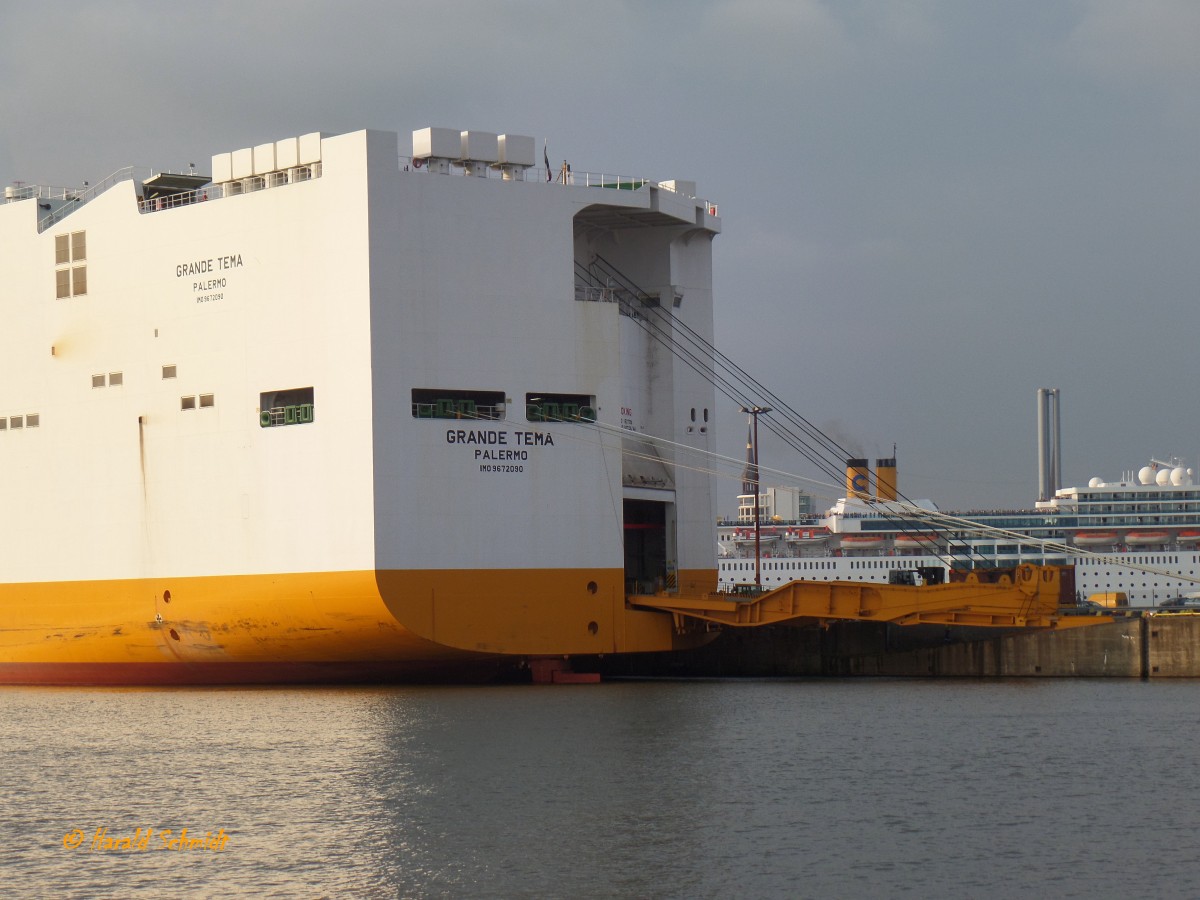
(289, 406)
(207, 401)
(560, 407)
(168, 371)
(187, 402)
(3, 424)
(70, 278)
(115, 379)
(97, 381)
(450, 403)
(16, 422)
(33, 420)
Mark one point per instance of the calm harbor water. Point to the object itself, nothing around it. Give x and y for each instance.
(804, 788)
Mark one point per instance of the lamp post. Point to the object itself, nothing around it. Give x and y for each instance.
(754, 412)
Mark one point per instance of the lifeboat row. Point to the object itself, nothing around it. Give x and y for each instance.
(812, 536)
(807, 535)
(916, 541)
(862, 541)
(1133, 538)
(1142, 538)
(900, 542)
(791, 535)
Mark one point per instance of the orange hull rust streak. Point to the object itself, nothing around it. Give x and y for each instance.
(321, 627)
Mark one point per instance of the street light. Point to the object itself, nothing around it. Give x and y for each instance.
(754, 412)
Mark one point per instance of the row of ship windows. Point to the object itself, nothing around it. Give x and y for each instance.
(289, 407)
(34, 420)
(440, 403)
(886, 563)
(1145, 584)
(117, 379)
(1119, 585)
(1172, 505)
(16, 423)
(812, 564)
(1181, 513)
(293, 406)
(1149, 495)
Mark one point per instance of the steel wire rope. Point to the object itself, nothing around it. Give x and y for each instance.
(712, 352)
(702, 362)
(708, 355)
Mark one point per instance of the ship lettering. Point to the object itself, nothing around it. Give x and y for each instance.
(209, 285)
(199, 267)
(476, 437)
(502, 454)
(230, 262)
(535, 439)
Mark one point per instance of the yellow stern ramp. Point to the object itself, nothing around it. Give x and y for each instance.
(1026, 597)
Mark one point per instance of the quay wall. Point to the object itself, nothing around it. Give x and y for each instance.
(1165, 646)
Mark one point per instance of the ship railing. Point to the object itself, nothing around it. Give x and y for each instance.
(19, 190)
(64, 201)
(249, 185)
(648, 587)
(186, 198)
(589, 293)
(434, 411)
(552, 176)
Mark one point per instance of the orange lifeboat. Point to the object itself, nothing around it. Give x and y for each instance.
(746, 535)
(916, 541)
(862, 541)
(807, 535)
(1095, 538)
(1142, 538)
(1189, 536)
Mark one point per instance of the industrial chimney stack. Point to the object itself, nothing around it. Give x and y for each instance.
(1049, 443)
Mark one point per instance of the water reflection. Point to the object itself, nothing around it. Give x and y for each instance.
(815, 788)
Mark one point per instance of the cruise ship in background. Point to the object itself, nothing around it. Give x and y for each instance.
(1138, 535)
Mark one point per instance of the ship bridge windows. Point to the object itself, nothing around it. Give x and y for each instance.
(70, 268)
(546, 407)
(451, 403)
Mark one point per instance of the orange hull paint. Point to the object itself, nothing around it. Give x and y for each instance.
(319, 627)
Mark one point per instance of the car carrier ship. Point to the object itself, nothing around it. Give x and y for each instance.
(342, 411)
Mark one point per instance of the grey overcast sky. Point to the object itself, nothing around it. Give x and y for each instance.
(931, 208)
